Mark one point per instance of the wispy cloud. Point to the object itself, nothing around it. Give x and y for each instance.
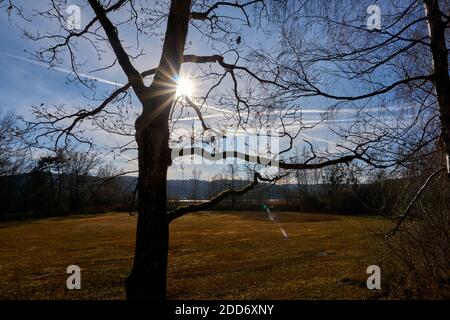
(63, 70)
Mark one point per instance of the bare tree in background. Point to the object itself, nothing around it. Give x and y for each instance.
(196, 175)
(70, 173)
(418, 257)
(215, 185)
(13, 155)
(78, 169)
(232, 169)
(385, 89)
(398, 74)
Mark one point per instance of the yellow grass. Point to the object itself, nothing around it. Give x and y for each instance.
(212, 256)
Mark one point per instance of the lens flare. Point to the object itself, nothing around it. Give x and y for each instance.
(272, 218)
(184, 87)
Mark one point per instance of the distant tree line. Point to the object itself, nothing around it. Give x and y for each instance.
(70, 181)
(62, 182)
(339, 189)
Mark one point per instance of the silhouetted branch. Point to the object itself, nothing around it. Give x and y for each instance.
(205, 15)
(134, 77)
(413, 201)
(179, 212)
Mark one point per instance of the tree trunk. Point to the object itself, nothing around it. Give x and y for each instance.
(148, 276)
(436, 28)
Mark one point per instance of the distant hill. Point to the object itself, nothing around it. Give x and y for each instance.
(185, 189)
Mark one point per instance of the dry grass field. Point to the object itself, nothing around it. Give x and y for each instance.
(212, 256)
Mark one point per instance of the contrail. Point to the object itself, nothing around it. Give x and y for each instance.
(318, 139)
(118, 84)
(208, 116)
(63, 70)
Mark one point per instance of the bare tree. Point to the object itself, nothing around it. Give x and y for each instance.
(400, 71)
(13, 155)
(78, 169)
(301, 176)
(70, 173)
(232, 169)
(215, 185)
(196, 175)
(263, 92)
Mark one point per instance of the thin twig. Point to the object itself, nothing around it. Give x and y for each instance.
(417, 195)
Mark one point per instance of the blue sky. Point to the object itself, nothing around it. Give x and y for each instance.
(26, 82)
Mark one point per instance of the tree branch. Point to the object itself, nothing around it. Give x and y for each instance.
(134, 77)
(205, 14)
(179, 212)
(256, 159)
(416, 196)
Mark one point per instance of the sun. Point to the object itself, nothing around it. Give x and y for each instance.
(185, 87)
